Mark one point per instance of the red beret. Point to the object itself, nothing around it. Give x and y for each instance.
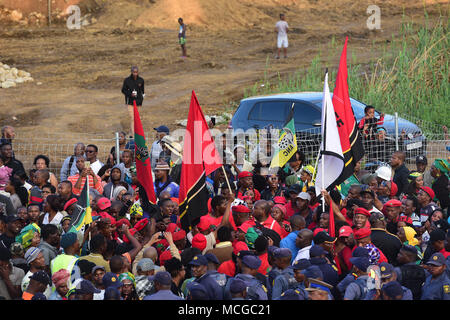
(179, 235)
(317, 230)
(141, 224)
(428, 191)
(393, 203)
(363, 211)
(175, 200)
(362, 233)
(245, 226)
(164, 256)
(199, 241)
(69, 203)
(204, 223)
(121, 222)
(241, 209)
(244, 174)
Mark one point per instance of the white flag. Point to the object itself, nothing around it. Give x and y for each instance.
(331, 161)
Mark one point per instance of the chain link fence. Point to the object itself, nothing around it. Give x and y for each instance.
(427, 139)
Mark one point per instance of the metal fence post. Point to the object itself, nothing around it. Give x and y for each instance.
(396, 131)
(49, 7)
(117, 149)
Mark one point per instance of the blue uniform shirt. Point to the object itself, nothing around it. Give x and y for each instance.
(284, 281)
(163, 295)
(255, 289)
(436, 289)
(215, 292)
(407, 294)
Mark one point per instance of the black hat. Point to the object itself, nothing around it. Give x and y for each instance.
(86, 287)
(409, 248)
(13, 217)
(295, 188)
(85, 267)
(322, 237)
(211, 257)
(392, 289)
(421, 159)
(437, 235)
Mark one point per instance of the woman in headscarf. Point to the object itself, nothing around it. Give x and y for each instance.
(128, 289)
(415, 180)
(440, 171)
(407, 236)
(279, 214)
(61, 281)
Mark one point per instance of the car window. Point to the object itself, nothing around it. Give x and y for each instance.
(305, 113)
(271, 111)
(358, 108)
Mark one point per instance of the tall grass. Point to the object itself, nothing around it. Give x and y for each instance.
(410, 77)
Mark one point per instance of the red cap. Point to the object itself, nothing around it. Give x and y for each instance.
(69, 203)
(241, 209)
(179, 235)
(245, 226)
(428, 191)
(103, 203)
(141, 224)
(362, 233)
(363, 211)
(279, 200)
(393, 203)
(244, 174)
(106, 215)
(317, 230)
(199, 241)
(345, 231)
(394, 189)
(239, 246)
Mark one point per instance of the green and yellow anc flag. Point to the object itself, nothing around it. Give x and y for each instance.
(287, 143)
(82, 214)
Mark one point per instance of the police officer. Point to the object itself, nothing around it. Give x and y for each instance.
(255, 289)
(388, 274)
(358, 289)
(409, 274)
(352, 276)
(199, 265)
(437, 284)
(292, 294)
(298, 267)
(213, 264)
(330, 273)
(285, 279)
(238, 289)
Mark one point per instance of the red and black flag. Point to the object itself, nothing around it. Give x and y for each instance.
(142, 155)
(351, 143)
(200, 158)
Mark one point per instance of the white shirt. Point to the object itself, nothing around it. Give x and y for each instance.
(56, 219)
(96, 166)
(302, 254)
(282, 26)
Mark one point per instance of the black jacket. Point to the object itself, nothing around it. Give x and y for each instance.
(387, 242)
(440, 188)
(401, 179)
(129, 84)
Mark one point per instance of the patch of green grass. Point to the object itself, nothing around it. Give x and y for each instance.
(410, 77)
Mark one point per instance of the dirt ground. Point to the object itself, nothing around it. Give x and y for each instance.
(78, 74)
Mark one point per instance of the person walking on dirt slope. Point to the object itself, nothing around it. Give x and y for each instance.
(133, 89)
(282, 28)
(182, 37)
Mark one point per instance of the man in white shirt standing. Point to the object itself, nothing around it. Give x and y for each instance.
(91, 156)
(282, 28)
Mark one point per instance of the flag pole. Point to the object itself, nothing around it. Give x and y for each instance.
(323, 144)
(226, 178)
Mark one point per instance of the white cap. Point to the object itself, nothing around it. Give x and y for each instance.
(304, 196)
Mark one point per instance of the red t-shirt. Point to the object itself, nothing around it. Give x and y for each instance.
(289, 210)
(265, 264)
(445, 253)
(270, 223)
(227, 267)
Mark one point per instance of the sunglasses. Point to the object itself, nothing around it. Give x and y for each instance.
(90, 151)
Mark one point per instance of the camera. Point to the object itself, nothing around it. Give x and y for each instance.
(161, 235)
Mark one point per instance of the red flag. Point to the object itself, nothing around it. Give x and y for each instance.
(143, 166)
(349, 135)
(200, 158)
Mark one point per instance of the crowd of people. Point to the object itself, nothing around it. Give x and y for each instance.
(266, 235)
